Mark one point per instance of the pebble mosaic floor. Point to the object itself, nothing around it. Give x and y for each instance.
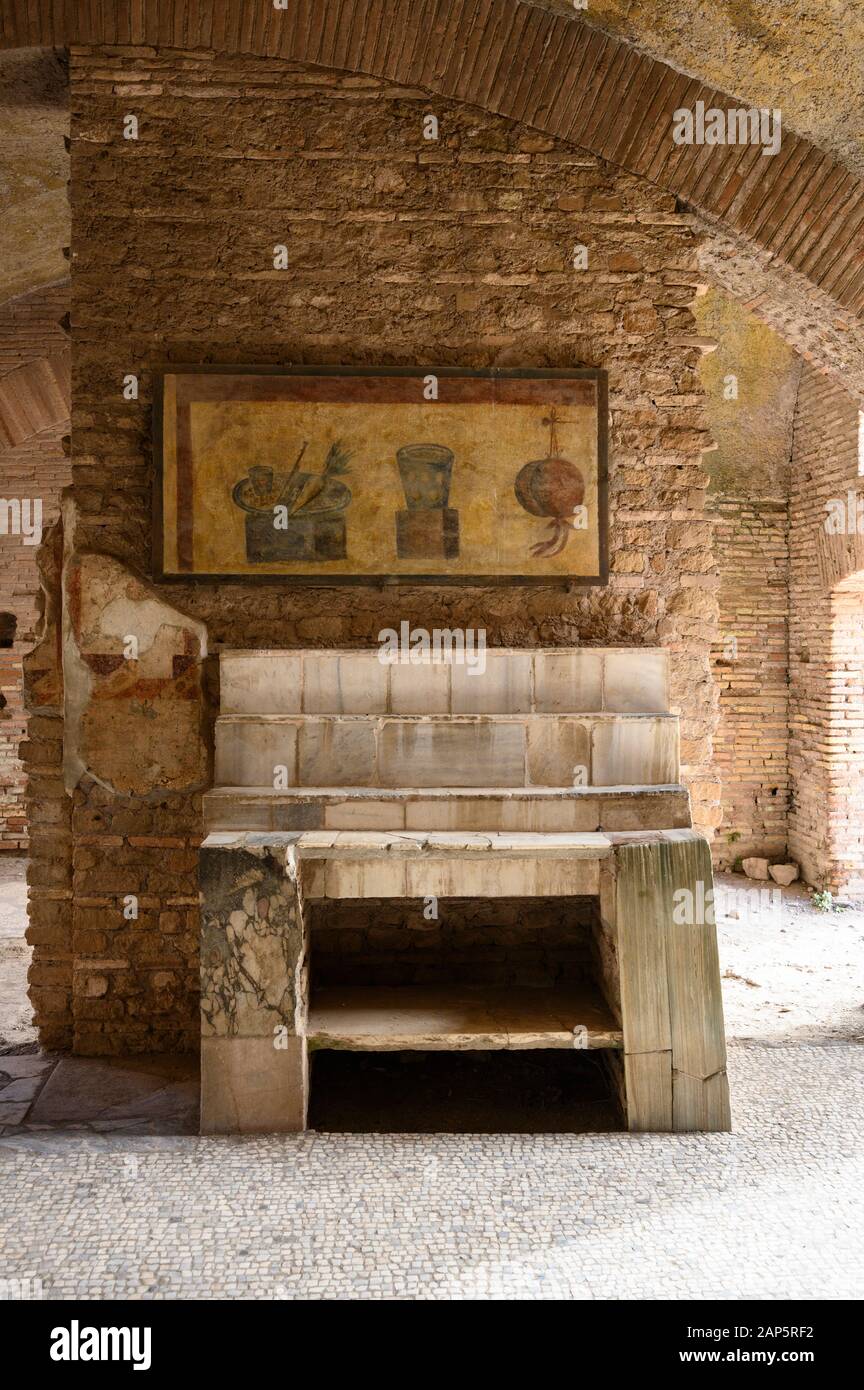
(772, 1210)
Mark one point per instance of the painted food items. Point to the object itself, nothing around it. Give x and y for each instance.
(296, 515)
(553, 487)
(428, 527)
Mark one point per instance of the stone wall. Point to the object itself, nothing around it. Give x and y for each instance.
(751, 746)
(30, 328)
(455, 252)
(844, 871)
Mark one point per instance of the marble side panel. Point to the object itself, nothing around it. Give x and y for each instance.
(422, 689)
(502, 687)
(651, 811)
(568, 682)
(345, 684)
(634, 752)
(365, 814)
(337, 754)
(249, 751)
(253, 948)
(559, 753)
(268, 683)
(517, 813)
(249, 1086)
(498, 877)
(414, 754)
(636, 682)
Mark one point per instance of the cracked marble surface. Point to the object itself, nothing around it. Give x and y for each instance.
(251, 945)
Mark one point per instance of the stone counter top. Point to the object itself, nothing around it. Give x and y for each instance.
(372, 844)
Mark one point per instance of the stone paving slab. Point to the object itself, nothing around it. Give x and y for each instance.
(118, 1090)
(16, 1014)
(771, 1210)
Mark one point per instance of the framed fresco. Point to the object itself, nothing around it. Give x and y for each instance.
(375, 474)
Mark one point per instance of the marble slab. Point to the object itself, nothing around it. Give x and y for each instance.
(252, 943)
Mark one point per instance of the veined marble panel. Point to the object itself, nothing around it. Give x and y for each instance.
(252, 945)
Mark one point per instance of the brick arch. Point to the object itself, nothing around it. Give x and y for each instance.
(546, 70)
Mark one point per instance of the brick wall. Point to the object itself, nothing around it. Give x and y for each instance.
(751, 745)
(751, 381)
(30, 328)
(845, 870)
(401, 251)
(826, 651)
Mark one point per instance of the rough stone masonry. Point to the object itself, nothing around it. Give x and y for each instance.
(401, 251)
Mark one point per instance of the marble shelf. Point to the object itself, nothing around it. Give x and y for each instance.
(457, 1018)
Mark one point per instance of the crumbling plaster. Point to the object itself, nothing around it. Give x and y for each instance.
(129, 656)
(751, 382)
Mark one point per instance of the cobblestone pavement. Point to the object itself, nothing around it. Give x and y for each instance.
(106, 1191)
(770, 1211)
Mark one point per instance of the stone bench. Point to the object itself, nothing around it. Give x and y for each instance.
(272, 853)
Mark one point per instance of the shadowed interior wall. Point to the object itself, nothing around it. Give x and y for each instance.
(401, 250)
(539, 942)
(30, 328)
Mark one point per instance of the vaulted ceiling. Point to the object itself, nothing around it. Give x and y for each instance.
(608, 79)
(804, 56)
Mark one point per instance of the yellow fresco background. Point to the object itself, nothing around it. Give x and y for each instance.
(169, 475)
(490, 443)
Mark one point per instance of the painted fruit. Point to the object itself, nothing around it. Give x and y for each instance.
(550, 487)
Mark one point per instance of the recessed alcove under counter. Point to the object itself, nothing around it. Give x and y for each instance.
(479, 975)
(389, 883)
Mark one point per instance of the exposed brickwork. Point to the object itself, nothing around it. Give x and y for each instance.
(400, 251)
(789, 661)
(751, 543)
(30, 329)
(751, 380)
(34, 118)
(845, 868)
(135, 977)
(550, 71)
(825, 646)
(49, 877)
